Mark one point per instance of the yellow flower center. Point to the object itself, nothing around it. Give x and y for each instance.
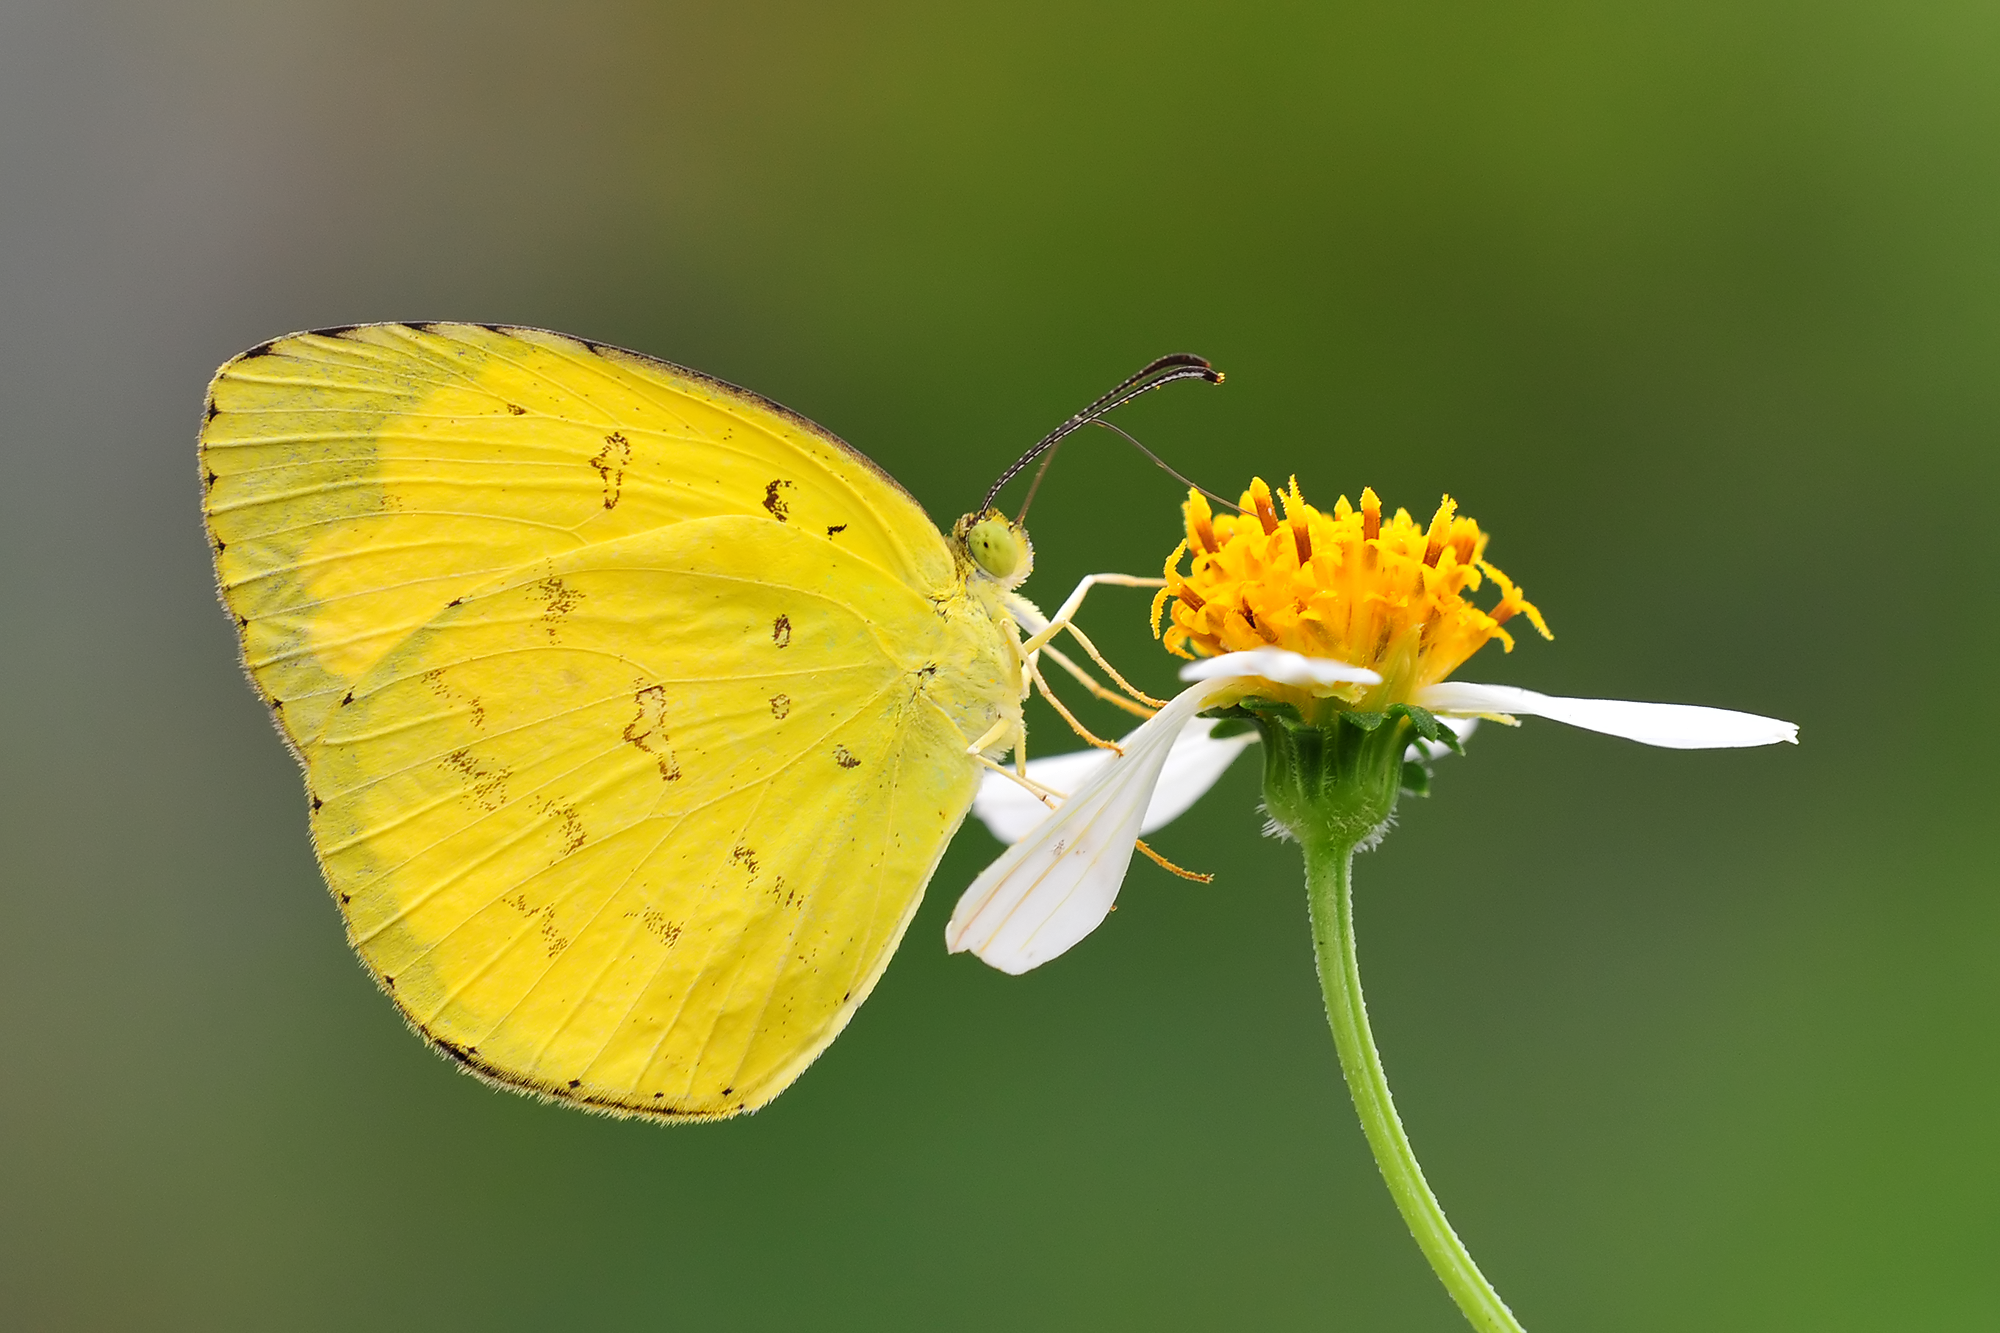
(1385, 594)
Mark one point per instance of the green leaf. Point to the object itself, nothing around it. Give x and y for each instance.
(1416, 779)
(1366, 721)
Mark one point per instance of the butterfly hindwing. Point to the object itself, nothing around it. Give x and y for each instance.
(641, 825)
(358, 480)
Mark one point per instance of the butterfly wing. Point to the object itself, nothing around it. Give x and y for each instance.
(358, 480)
(640, 826)
(633, 707)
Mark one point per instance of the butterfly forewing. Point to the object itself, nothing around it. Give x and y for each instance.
(359, 480)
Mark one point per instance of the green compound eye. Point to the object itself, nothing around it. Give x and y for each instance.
(995, 547)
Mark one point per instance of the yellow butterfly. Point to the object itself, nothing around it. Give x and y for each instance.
(635, 710)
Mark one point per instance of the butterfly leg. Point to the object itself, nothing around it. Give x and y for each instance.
(1065, 619)
(1074, 603)
(1090, 682)
(1008, 733)
(1172, 869)
(1001, 729)
(1048, 796)
(1052, 798)
(1112, 671)
(1035, 674)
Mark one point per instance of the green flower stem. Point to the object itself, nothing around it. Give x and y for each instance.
(1329, 886)
(1332, 782)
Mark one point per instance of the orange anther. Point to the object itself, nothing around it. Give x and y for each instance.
(1295, 512)
(1200, 523)
(1267, 513)
(1440, 530)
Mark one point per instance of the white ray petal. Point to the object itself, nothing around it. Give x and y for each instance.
(1281, 666)
(1010, 810)
(1194, 764)
(1058, 883)
(1672, 726)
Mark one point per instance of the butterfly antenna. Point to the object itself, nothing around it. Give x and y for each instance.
(1035, 483)
(1167, 370)
(1174, 360)
(1162, 463)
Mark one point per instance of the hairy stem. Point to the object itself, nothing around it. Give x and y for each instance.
(1329, 886)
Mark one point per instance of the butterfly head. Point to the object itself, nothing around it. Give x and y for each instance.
(998, 548)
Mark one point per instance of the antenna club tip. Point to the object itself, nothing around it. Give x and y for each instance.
(1219, 378)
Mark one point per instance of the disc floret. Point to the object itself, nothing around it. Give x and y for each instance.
(1389, 594)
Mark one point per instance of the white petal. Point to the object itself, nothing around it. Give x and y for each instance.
(1673, 726)
(1010, 810)
(1057, 884)
(1194, 764)
(1461, 726)
(1281, 666)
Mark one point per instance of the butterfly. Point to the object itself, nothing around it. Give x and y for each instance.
(635, 710)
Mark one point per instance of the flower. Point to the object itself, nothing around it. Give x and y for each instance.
(1343, 586)
(1333, 634)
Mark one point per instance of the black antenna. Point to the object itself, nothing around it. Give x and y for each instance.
(1167, 370)
(1036, 483)
(1164, 466)
(1133, 440)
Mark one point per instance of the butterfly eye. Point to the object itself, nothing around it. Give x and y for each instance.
(996, 547)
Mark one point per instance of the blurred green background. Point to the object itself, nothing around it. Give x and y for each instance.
(1695, 305)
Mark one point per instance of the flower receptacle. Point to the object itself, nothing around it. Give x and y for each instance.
(1333, 784)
